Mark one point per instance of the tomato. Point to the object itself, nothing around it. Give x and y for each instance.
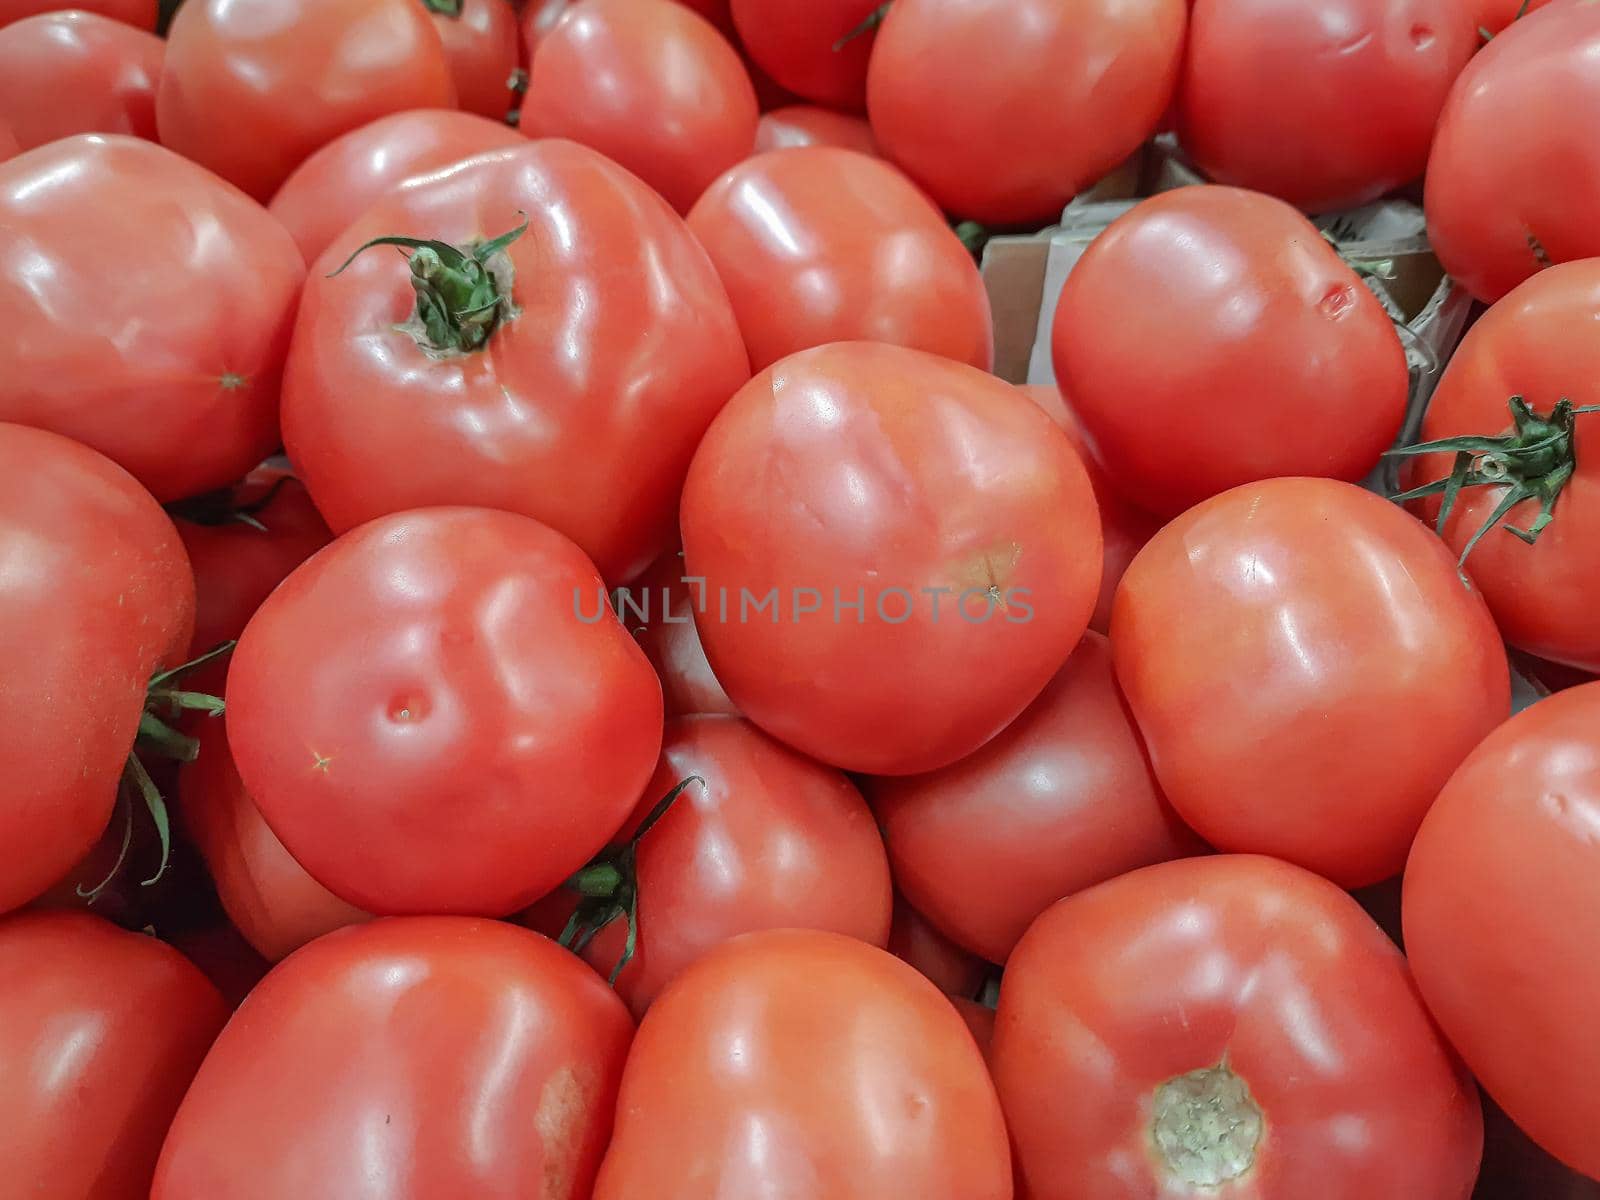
(1509, 180)
(142, 13)
(174, 379)
(798, 1063)
(821, 245)
(1252, 309)
(649, 84)
(898, 552)
(480, 40)
(1307, 670)
(1125, 527)
(659, 610)
(806, 125)
(761, 838)
(1536, 344)
(1229, 1025)
(252, 88)
(96, 596)
(1325, 106)
(578, 401)
(917, 943)
(1502, 899)
(800, 43)
(426, 1057)
(1081, 84)
(437, 714)
(99, 74)
(1495, 15)
(100, 1033)
(1060, 800)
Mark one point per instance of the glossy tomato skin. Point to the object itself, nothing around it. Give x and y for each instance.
(935, 497)
(1509, 186)
(659, 611)
(342, 180)
(442, 1056)
(582, 411)
(915, 942)
(861, 1079)
(187, 402)
(1508, 847)
(1326, 106)
(435, 714)
(1536, 343)
(1275, 358)
(771, 840)
(1252, 965)
(1062, 799)
(252, 88)
(140, 13)
(1082, 83)
(649, 84)
(1276, 644)
(98, 595)
(480, 40)
(100, 1033)
(794, 42)
(99, 74)
(807, 125)
(821, 245)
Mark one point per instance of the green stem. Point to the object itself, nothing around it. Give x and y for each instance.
(870, 22)
(445, 8)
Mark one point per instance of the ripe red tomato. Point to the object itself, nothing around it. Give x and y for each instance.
(99, 75)
(174, 380)
(767, 839)
(918, 944)
(1502, 900)
(898, 552)
(428, 1056)
(612, 349)
(100, 1034)
(1279, 645)
(800, 44)
(799, 1063)
(142, 13)
(1276, 359)
(806, 125)
(1509, 180)
(821, 245)
(649, 84)
(1228, 1025)
(252, 88)
(437, 714)
(480, 41)
(1326, 106)
(1081, 84)
(97, 595)
(659, 610)
(1538, 344)
(1062, 799)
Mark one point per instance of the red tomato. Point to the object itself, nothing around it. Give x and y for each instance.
(767, 840)
(1502, 900)
(649, 84)
(1537, 344)
(1061, 800)
(480, 40)
(142, 13)
(1511, 177)
(428, 1057)
(800, 44)
(798, 1063)
(1306, 669)
(1080, 83)
(173, 378)
(1275, 358)
(1125, 527)
(1328, 105)
(898, 552)
(1495, 15)
(99, 76)
(821, 245)
(100, 1033)
(252, 88)
(96, 596)
(437, 714)
(613, 348)
(916, 942)
(659, 610)
(805, 125)
(1228, 1025)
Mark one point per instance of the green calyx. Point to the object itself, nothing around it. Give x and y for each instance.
(868, 23)
(1535, 461)
(609, 887)
(445, 8)
(460, 299)
(973, 235)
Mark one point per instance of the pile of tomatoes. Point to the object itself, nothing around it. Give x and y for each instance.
(543, 663)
